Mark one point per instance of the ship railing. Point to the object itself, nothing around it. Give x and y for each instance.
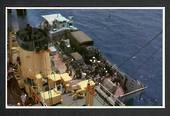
(124, 76)
(115, 67)
(111, 95)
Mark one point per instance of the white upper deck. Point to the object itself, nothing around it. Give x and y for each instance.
(52, 17)
(56, 23)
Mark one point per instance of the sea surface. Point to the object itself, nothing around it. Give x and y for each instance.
(119, 34)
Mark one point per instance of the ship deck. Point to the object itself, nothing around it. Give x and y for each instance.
(68, 101)
(67, 97)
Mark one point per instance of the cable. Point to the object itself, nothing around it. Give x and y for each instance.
(152, 55)
(138, 51)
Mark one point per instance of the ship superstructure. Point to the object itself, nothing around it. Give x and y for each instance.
(58, 65)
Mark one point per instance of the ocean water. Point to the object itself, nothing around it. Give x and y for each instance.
(119, 34)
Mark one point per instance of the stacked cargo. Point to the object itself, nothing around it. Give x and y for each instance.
(51, 97)
(53, 79)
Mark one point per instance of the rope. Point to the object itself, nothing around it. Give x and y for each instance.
(138, 51)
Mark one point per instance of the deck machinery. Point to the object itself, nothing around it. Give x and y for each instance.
(57, 64)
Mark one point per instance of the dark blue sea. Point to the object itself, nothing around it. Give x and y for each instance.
(119, 34)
